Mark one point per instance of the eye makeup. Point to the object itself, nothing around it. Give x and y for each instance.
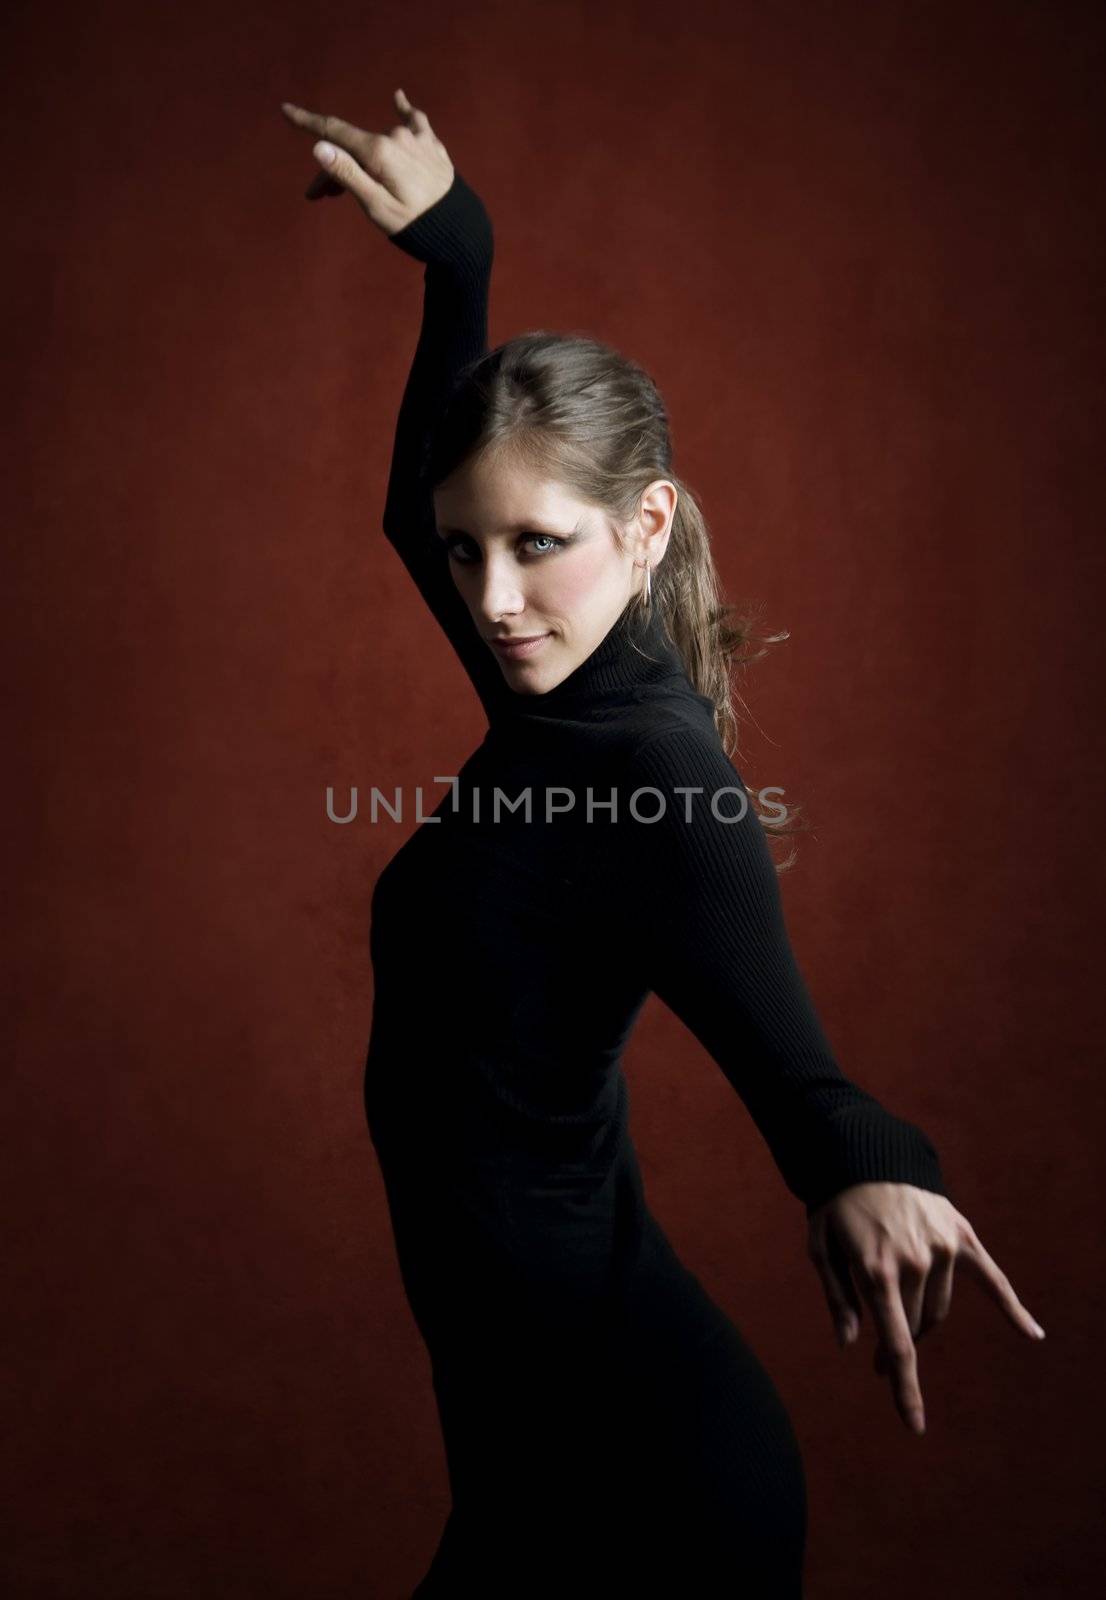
(454, 541)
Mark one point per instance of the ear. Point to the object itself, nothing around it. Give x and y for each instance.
(655, 519)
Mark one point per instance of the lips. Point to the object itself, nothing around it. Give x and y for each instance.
(524, 645)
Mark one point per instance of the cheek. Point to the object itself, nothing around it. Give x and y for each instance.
(578, 580)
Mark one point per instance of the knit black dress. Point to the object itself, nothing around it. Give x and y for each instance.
(604, 1422)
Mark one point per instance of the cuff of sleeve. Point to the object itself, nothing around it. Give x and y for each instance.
(861, 1147)
(455, 230)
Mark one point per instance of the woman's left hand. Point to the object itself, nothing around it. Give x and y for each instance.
(896, 1246)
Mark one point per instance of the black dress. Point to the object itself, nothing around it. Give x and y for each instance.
(604, 1422)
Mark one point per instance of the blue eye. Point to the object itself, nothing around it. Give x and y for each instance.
(454, 551)
(454, 544)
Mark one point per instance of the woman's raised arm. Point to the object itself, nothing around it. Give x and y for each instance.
(407, 185)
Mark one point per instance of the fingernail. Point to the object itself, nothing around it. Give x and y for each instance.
(1038, 1330)
(326, 153)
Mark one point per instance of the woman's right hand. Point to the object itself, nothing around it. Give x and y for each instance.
(393, 176)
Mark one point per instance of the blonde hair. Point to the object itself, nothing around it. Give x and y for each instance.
(579, 412)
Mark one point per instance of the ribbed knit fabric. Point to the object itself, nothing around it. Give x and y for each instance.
(602, 1417)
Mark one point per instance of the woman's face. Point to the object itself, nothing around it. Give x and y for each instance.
(533, 562)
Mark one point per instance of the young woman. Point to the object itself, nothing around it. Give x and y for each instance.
(605, 1423)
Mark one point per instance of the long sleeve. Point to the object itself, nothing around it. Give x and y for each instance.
(454, 238)
(705, 904)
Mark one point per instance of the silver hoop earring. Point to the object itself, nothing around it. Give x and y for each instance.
(648, 584)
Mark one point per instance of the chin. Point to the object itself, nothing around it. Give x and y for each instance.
(522, 681)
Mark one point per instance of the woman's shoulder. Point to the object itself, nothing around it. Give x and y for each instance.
(668, 720)
(671, 739)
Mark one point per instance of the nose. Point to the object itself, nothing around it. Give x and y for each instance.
(498, 594)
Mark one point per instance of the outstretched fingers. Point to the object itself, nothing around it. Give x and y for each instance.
(895, 1352)
(336, 129)
(418, 120)
(353, 159)
(991, 1275)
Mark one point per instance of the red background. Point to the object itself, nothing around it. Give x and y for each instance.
(857, 244)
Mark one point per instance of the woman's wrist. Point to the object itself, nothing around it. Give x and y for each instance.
(455, 231)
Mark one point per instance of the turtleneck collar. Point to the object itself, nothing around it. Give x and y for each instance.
(635, 655)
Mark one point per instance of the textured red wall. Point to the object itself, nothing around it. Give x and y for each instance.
(857, 244)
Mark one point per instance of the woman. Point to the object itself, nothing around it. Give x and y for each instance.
(604, 1422)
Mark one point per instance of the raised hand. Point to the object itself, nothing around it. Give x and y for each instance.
(896, 1246)
(393, 176)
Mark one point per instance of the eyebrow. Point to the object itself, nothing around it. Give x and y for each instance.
(514, 527)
